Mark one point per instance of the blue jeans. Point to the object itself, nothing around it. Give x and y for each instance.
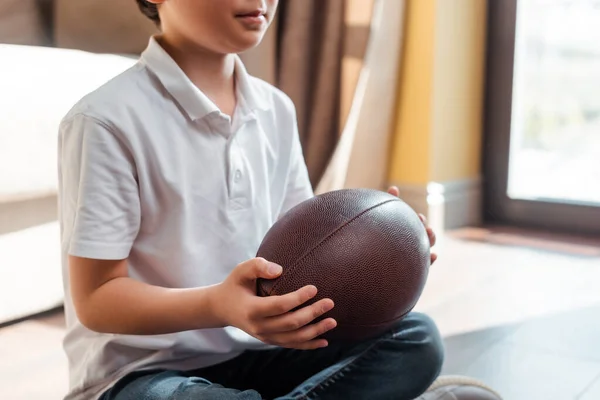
(399, 365)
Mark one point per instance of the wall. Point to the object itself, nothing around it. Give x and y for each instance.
(458, 95)
(108, 26)
(436, 146)
(410, 161)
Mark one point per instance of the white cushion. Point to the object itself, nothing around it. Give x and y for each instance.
(38, 86)
(30, 281)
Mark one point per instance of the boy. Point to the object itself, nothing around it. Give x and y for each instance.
(170, 175)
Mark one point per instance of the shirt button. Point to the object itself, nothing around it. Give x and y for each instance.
(238, 176)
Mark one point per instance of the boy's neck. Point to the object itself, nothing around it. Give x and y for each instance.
(212, 73)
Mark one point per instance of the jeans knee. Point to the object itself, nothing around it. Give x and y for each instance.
(215, 392)
(420, 338)
(431, 338)
(432, 356)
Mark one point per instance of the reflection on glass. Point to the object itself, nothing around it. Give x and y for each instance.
(555, 134)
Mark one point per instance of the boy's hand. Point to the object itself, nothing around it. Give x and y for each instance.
(271, 319)
(395, 192)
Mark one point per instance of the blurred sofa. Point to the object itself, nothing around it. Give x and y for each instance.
(53, 52)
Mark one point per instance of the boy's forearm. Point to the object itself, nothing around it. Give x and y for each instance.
(126, 306)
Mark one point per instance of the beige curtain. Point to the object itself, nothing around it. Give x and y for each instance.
(308, 68)
(361, 158)
(21, 22)
(343, 86)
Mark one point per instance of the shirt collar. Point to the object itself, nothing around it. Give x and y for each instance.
(247, 88)
(195, 103)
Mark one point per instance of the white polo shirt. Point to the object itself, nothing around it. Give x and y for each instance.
(150, 169)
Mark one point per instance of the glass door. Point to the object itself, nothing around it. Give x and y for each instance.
(542, 154)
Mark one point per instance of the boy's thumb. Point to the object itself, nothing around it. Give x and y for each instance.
(259, 268)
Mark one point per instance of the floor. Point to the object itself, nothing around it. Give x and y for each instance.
(519, 311)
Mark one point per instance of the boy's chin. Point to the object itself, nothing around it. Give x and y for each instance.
(247, 41)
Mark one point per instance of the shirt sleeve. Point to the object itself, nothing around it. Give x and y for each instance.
(298, 187)
(99, 195)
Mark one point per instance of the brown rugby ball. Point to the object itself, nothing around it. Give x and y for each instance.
(365, 249)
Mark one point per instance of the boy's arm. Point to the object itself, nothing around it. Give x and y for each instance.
(101, 214)
(107, 300)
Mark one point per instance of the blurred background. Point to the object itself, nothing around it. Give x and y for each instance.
(485, 114)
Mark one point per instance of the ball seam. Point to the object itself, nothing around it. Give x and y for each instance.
(322, 242)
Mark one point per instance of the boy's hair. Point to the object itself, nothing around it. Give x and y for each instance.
(150, 10)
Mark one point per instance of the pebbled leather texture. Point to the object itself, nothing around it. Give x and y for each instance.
(365, 249)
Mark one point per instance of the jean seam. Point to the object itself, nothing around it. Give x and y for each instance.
(344, 368)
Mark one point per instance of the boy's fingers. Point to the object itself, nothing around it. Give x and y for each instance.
(432, 237)
(257, 268)
(276, 305)
(393, 190)
(305, 334)
(430, 232)
(311, 345)
(433, 258)
(297, 319)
